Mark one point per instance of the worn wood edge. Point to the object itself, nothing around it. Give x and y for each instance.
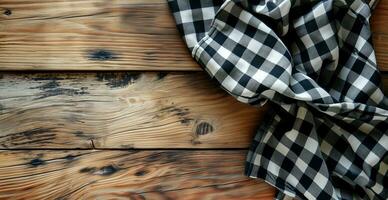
(123, 110)
(206, 174)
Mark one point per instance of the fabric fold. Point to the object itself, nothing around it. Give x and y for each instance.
(325, 136)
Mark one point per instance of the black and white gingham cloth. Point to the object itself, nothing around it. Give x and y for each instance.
(326, 135)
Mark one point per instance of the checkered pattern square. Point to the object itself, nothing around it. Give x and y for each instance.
(326, 134)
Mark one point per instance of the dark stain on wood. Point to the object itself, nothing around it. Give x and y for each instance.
(31, 134)
(81, 134)
(46, 141)
(88, 170)
(181, 113)
(101, 55)
(154, 157)
(108, 170)
(7, 12)
(203, 128)
(141, 173)
(63, 91)
(117, 80)
(52, 88)
(50, 85)
(47, 77)
(174, 156)
(186, 121)
(36, 162)
(161, 75)
(70, 157)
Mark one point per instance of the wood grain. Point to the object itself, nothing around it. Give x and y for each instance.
(90, 35)
(109, 35)
(121, 110)
(127, 175)
(379, 25)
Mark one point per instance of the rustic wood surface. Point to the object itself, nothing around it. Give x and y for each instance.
(109, 35)
(90, 35)
(127, 175)
(121, 110)
(66, 135)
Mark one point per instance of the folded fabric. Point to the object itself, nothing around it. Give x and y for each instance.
(326, 134)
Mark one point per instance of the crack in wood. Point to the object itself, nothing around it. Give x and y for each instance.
(92, 144)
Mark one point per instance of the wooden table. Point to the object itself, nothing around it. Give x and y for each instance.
(159, 129)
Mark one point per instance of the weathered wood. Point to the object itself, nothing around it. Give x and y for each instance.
(90, 35)
(379, 25)
(108, 35)
(127, 175)
(121, 110)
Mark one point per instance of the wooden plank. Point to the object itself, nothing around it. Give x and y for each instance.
(379, 19)
(379, 25)
(109, 35)
(90, 35)
(121, 110)
(127, 175)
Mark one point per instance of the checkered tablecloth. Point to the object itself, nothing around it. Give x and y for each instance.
(326, 135)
